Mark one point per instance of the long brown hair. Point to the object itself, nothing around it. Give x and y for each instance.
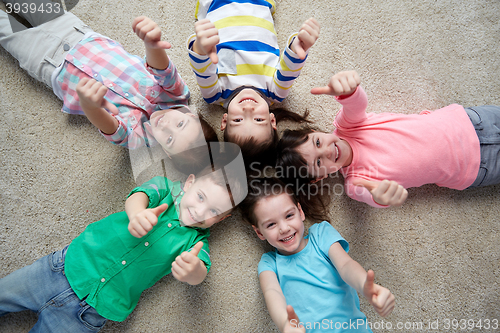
(259, 188)
(287, 155)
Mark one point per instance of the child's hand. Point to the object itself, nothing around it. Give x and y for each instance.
(341, 84)
(386, 193)
(149, 32)
(188, 267)
(381, 298)
(292, 323)
(207, 37)
(144, 221)
(91, 94)
(307, 36)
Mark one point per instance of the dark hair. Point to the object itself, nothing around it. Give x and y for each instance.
(259, 188)
(191, 161)
(265, 152)
(223, 171)
(287, 154)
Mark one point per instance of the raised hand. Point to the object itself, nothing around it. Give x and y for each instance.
(207, 37)
(292, 323)
(188, 267)
(379, 297)
(91, 94)
(149, 32)
(144, 221)
(307, 36)
(341, 84)
(386, 193)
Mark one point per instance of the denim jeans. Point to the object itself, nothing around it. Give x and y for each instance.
(43, 288)
(486, 121)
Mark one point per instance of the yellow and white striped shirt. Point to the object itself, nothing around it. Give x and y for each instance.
(248, 51)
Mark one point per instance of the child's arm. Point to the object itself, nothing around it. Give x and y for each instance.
(207, 37)
(355, 276)
(150, 33)
(141, 219)
(282, 315)
(91, 95)
(188, 267)
(307, 36)
(385, 193)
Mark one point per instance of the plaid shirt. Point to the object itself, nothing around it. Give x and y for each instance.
(135, 88)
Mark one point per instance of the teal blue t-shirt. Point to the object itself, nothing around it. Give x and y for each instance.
(311, 284)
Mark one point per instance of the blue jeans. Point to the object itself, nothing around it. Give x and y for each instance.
(486, 121)
(43, 288)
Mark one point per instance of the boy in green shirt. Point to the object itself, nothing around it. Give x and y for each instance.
(103, 272)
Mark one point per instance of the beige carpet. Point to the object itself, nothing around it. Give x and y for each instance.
(438, 254)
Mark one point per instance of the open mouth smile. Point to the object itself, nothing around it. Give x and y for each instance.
(289, 238)
(158, 120)
(248, 100)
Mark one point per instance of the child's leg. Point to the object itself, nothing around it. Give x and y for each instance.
(43, 288)
(40, 50)
(36, 12)
(486, 121)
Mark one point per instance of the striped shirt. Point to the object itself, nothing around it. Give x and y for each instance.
(248, 51)
(135, 88)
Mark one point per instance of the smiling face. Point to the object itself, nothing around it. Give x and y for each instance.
(248, 116)
(281, 223)
(204, 203)
(176, 131)
(325, 153)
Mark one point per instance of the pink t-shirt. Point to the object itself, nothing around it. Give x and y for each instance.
(439, 147)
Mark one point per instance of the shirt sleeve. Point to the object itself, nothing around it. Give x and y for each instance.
(206, 74)
(325, 235)
(267, 262)
(171, 81)
(287, 71)
(130, 135)
(360, 193)
(353, 110)
(204, 254)
(156, 189)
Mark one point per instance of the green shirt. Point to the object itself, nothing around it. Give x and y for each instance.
(112, 268)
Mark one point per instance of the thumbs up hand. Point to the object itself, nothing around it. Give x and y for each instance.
(144, 221)
(379, 297)
(292, 323)
(386, 193)
(188, 267)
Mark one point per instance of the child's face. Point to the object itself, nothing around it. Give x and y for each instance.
(204, 203)
(325, 153)
(176, 131)
(248, 116)
(281, 223)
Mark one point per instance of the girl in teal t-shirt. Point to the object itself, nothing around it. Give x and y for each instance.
(309, 282)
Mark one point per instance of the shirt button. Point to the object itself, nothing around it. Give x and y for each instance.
(66, 47)
(126, 94)
(95, 75)
(110, 85)
(124, 262)
(146, 244)
(103, 279)
(170, 225)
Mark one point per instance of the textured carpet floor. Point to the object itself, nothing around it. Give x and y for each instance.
(438, 254)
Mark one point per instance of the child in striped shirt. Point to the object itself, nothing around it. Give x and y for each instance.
(236, 59)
